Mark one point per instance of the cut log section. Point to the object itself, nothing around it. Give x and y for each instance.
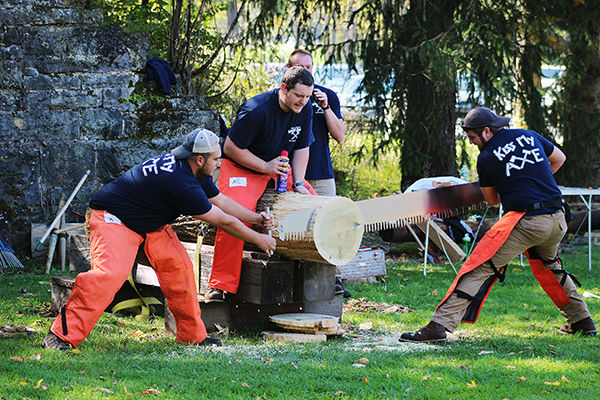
(294, 337)
(334, 231)
(325, 331)
(306, 320)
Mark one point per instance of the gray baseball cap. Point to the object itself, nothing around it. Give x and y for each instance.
(200, 140)
(481, 117)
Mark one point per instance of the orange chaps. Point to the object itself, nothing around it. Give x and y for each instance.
(113, 251)
(246, 187)
(487, 247)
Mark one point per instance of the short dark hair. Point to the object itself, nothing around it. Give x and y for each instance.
(295, 75)
(298, 51)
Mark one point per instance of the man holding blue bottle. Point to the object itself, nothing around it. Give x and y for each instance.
(265, 125)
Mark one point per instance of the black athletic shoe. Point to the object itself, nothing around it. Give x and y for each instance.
(51, 341)
(210, 341)
(430, 333)
(586, 327)
(214, 295)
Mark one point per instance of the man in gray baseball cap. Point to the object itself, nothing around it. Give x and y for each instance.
(199, 141)
(137, 208)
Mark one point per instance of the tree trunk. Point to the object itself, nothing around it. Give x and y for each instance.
(428, 139)
(581, 101)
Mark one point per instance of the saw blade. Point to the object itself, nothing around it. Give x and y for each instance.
(295, 226)
(415, 207)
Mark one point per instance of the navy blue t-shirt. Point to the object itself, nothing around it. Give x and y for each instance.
(154, 193)
(262, 127)
(319, 163)
(515, 162)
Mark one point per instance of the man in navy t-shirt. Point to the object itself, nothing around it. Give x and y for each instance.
(327, 120)
(515, 168)
(265, 125)
(136, 208)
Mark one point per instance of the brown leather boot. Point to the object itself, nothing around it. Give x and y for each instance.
(51, 341)
(430, 333)
(585, 326)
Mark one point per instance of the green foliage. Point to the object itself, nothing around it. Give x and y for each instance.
(150, 18)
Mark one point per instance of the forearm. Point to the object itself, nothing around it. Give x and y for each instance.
(336, 126)
(299, 163)
(234, 208)
(244, 157)
(237, 229)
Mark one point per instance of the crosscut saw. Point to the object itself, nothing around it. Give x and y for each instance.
(415, 207)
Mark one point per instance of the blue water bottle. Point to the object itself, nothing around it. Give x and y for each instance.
(282, 179)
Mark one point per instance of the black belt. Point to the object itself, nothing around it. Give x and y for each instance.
(538, 205)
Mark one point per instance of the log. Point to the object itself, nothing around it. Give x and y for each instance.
(335, 229)
(580, 221)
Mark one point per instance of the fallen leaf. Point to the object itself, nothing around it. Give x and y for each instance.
(19, 359)
(23, 383)
(472, 384)
(363, 360)
(426, 378)
(76, 351)
(388, 376)
(105, 390)
(36, 357)
(150, 391)
(245, 384)
(435, 292)
(365, 379)
(294, 365)
(552, 383)
(564, 379)
(365, 326)
(137, 333)
(521, 378)
(126, 391)
(38, 384)
(357, 365)
(439, 378)
(511, 367)
(485, 352)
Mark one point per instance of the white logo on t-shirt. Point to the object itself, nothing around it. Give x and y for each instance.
(294, 132)
(111, 219)
(239, 181)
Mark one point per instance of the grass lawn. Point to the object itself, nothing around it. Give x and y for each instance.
(514, 351)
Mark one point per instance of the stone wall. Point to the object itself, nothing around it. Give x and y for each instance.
(74, 96)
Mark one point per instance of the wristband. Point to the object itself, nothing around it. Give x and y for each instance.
(295, 185)
(326, 107)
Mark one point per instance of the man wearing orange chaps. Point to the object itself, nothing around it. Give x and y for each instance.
(265, 126)
(227, 261)
(114, 251)
(136, 208)
(515, 166)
